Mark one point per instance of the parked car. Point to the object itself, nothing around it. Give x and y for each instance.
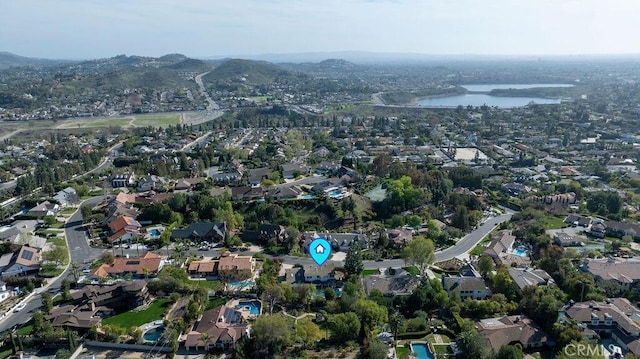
(19, 307)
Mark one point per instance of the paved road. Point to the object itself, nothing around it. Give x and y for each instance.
(80, 252)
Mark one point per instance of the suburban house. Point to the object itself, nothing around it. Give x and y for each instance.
(188, 183)
(292, 170)
(616, 318)
(4, 293)
(511, 330)
(341, 241)
(223, 179)
(149, 264)
(202, 231)
(92, 303)
(45, 208)
(231, 267)
(256, 175)
(152, 183)
(246, 193)
(124, 228)
(577, 220)
(67, 197)
(466, 287)
(234, 267)
(123, 180)
(502, 252)
(399, 236)
(26, 262)
(325, 274)
(621, 229)
(616, 271)
(400, 283)
(203, 268)
(285, 192)
(524, 277)
(270, 232)
(566, 240)
(223, 325)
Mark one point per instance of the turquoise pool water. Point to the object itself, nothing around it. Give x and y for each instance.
(521, 252)
(153, 335)
(422, 351)
(253, 306)
(154, 232)
(334, 193)
(307, 196)
(243, 284)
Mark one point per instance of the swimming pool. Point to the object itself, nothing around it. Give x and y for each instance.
(153, 335)
(521, 252)
(422, 351)
(308, 196)
(334, 193)
(253, 307)
(155, 232)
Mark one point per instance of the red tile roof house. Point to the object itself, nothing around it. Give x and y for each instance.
(224, 327)
(124, 228)
(139, 267)
(235, 267)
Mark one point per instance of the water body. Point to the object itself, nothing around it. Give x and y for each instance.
(480, 99)
(489, 87)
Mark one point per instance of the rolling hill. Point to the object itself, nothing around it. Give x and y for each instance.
(8, 60)
(250, 73)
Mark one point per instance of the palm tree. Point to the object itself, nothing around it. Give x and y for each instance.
(395, 322)
(206, 337)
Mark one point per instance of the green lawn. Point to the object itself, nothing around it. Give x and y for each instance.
(477, 250)
(402, 352)
(553, 222)
(103, 122)
(412, 270)
(162, 120)
(50, 271)
(155, 311)
(68, 211)
(216, 302)
(207, 284)
(58, 241)
(367, 272)
(27, 329)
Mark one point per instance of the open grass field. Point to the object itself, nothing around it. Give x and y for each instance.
(155, 311)
(551, 222)
(207, 284)
(157, 120)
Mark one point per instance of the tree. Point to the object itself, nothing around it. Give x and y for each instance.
(419, 253)
(503, 283)
(470, 343)
(396, 320)
(47, 303)
(272, 294)
(307, 331)
(370, 313)
(486, 265)
(57, 254)
(66, 290)
(509, 352)
(353, 261)
(345, 326)
(270, 334)
(377, 350)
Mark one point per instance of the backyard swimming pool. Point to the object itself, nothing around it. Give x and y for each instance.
(252, 306)
(153, 335)
(521, 252)
(422, 351)
(334, 194)
(242, 285)
(154, 232)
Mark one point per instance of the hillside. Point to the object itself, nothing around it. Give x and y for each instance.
(8, 60)
(333, 68)
(250, 73)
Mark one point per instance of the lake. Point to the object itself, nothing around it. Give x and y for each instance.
(480, 99)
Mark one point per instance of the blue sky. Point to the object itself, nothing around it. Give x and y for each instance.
(201, 28)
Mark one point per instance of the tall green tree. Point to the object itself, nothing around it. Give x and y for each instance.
(344, 326)
(270, 334)
(419, 253)
(353, 261)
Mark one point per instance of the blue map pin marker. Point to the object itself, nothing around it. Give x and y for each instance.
(320, 250)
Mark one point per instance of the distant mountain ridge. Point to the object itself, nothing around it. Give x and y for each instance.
(8, 59)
